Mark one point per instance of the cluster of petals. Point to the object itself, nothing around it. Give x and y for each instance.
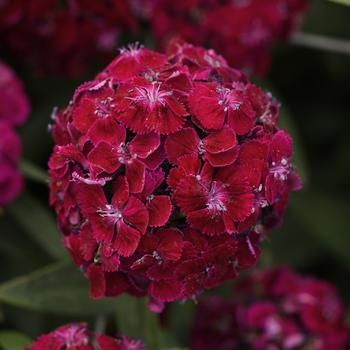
(14, 110)
(166, 171)
(273, 309)
(77, 336)
(63, 37)
(243, 31)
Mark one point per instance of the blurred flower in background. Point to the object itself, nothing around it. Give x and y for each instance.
(273, 309)
(63, 37)
(76, 336)
(167, 172)
(67, 37)
(243, 31)
(14, 110)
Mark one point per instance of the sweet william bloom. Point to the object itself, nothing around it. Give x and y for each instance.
(76, 336)
(165, 171)
(273, 309)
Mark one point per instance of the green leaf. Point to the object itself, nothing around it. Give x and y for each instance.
(38, 222)
(58, 288)
(327, 220)
(343, 2)
(12, 340)
(33, 172)
(136, 320)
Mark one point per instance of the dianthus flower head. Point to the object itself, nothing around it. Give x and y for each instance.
(76, 336)
(273, 309)
(166, 171)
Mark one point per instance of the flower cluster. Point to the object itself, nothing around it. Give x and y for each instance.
(76, 336)
(242, 31)
(166, 172)
(273, 309)
(14, 110)
(63, 37)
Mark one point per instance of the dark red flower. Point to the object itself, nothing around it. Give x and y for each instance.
(165, 171)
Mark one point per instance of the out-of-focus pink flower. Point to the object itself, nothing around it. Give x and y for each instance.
(273, 309)
(14, 103)
(11, 181)
(165, 171)
(76, 336)
(243, 31)
(14, 110)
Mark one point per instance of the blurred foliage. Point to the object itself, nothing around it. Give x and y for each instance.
(37, 280)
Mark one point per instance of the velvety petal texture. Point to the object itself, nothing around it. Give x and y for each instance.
(76, 336)
(167, 172)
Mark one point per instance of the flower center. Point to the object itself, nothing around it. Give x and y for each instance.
(111, 213)
(216, 198)
(103, 107)
(124, 154)
(280, 171)
(151, 94)
(227, 99)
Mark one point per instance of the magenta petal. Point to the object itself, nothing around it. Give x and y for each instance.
(126, 240)
(144, 144)
(116, 283)
(220, 140)
(160, 271)
(190, 194)
(170, 244)
(204, 105)
(105, 156)
(239, 121)
(159, 210)
(207, 221)
(180, 143)
(135, 173)
(90, 197)
(167, 290)
(135, 213)
(97, 281)
(223, 158)
(155, 158)
(121, 191)
(106, 129)
(281, 146)
(162, 120)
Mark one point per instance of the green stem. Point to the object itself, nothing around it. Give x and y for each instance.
(33, 172)
(134, 319)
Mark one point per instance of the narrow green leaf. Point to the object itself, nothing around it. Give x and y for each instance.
(38, 222)
(13, 340)
(33, 172)
(327, 219)
(58, 288)
(136, 320)
(343, 2)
